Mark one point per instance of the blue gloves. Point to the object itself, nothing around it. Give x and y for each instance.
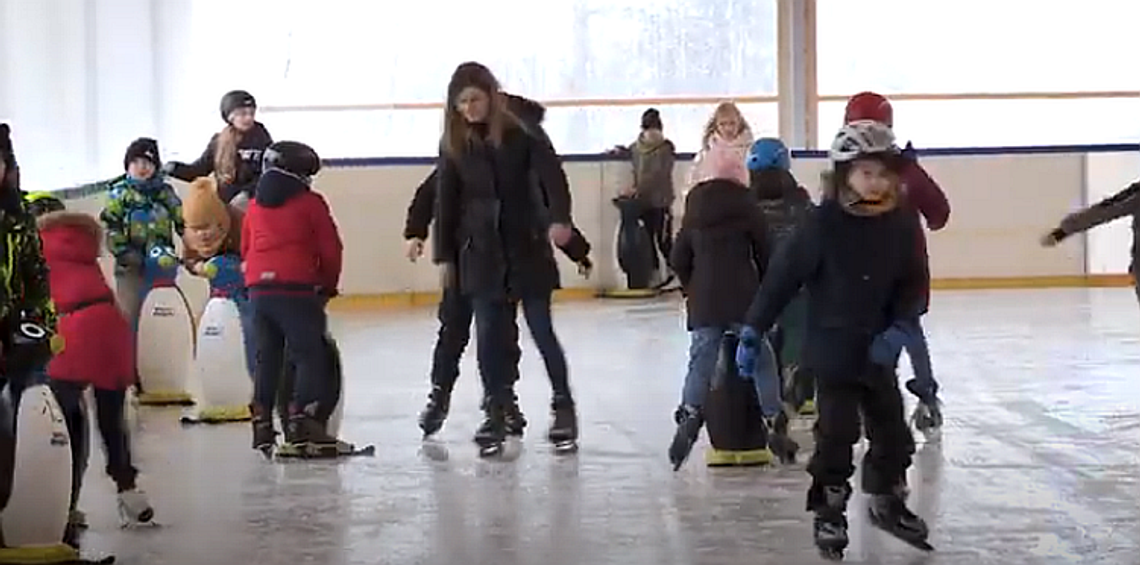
(888, 346)
(747, 352)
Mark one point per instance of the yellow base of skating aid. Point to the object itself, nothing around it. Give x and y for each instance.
(219, 415)
(165, 398)
(58, 553)
(750, 458)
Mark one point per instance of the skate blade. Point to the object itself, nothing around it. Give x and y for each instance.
(565, 447)
(508, 450)
(434, 449)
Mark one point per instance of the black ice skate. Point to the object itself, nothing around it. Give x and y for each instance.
(689, 422)
(435, 413)
(306, 436)
(492, 433)
(513, 418)
(830, 523)
(782, 445)
(889, 513)
(264, 436)
(563, 432)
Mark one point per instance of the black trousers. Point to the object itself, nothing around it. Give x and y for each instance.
(109, 406)
(659, 223)
(455, 314)
(873, 392)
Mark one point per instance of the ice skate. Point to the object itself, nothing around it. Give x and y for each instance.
(563, 432)
(781, 444)
(889, 513)
(513, 418)
(264, 436)
(689, 422)
(135, 509)
(306, 436)
(492, 437)
(435, 413)
(830, 523)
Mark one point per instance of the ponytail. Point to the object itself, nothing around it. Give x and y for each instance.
(226, 155)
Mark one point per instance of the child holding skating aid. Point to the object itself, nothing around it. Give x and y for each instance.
(211, 248)
(142, 214)
(720, 256)
(292, 253)
(855, 255)
(99, 353)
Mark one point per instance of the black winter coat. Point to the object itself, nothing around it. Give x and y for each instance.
(861, 275)
(783, 202)
(720, 253)
(250, 150)
(491, 223)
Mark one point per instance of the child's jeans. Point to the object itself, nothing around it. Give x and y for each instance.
(704, 348)
(109, 406)
(908, 334)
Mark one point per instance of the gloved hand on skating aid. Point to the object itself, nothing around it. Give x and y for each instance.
(888, 346)
(747, 352)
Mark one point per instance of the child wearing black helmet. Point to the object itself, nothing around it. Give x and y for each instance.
(854, 254)
(292, 253)
(233, 154)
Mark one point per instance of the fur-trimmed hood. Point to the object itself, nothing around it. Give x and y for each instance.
(70, 237)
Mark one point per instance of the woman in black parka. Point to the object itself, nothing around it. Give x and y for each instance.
(493, 229)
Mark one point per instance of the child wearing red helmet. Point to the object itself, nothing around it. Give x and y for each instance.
(924, 197)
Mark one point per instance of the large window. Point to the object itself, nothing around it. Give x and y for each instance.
(972, 123)
(363, 52)
(911, 46)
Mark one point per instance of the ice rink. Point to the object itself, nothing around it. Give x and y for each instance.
(1039, 461)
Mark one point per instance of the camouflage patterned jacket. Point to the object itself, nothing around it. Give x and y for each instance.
(141, 215)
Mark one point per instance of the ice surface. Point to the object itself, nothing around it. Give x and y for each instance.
(1039, 462)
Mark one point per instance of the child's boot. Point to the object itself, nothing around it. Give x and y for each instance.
(308, 434)
(513, 417)
(889, 513)
(564, 424)
(689, 422)
(435, 413)
(264, 436)
(829, 503)
(134, 508)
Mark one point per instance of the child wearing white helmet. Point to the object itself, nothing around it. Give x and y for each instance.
(854, 254)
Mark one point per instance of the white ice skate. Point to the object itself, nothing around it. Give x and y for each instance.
(135, 509)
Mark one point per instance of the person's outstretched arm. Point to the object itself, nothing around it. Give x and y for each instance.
(1122, 203)
(201, 167)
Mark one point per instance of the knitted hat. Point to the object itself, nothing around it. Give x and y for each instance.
(651, 119)
(725, 163)
(142, 148)
(471, 74)
(203, 207)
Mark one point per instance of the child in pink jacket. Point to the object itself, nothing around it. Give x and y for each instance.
(726, 132)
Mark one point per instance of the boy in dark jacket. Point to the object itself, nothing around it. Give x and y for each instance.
(653, 156)
(855, 256)
(293, 254)
(719, 256)
(455, 311)
(922, 197)
(784, 204)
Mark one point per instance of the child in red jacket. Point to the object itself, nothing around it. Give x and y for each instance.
(99, 352)
(292, 254)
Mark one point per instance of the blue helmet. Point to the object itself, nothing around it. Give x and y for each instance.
(769, 153)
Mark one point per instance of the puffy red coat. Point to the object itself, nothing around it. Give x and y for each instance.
(98, 342)
(289, 241)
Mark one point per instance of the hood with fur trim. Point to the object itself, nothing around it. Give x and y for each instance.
(70, 237)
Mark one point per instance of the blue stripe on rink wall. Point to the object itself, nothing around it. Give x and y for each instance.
(101, 186)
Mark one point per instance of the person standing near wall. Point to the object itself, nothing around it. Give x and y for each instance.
(491, 230)
(455, 311)
(233, 155)
(923, 197)
(653, 156)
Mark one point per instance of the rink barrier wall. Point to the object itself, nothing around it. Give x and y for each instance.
(1003, 200)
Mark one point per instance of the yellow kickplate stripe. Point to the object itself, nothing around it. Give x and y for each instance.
(221, 414)
(59, 553)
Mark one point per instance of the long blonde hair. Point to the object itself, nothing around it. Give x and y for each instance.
(726, 108)
(226, 154)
